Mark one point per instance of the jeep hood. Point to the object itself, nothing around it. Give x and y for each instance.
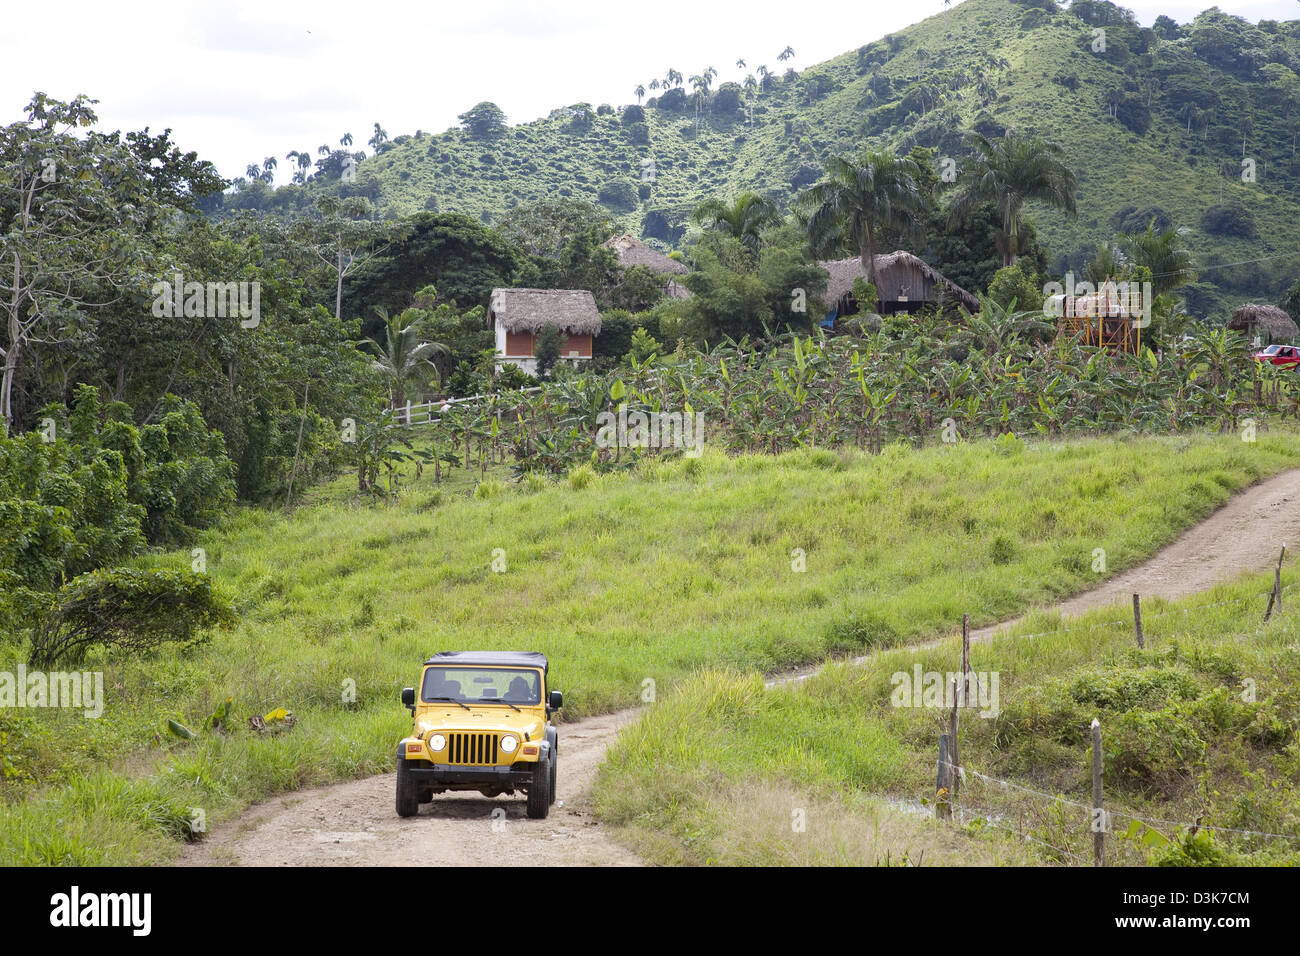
(479, 720)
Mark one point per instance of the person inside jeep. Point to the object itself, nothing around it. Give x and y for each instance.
(520, 691)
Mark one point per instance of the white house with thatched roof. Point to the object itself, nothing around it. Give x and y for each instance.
(631, 251)
(904, 283)
(517, 315)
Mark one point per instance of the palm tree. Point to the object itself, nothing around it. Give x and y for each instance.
(1190, 111)
(743, 219)
(860, 198)
(786, 54)
(253, 171)
(379, 138)
(740, 64)
(401, 354)
(346, 140)
(1011, 171)
(1170, 262)
(322, 150)
(654, 85)
(640, 92)
(268, 168)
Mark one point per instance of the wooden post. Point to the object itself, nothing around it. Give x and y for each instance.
(965, 660)
(954, 751)
(1277, 578)
(1098, 810)
(943, 785)
(1137, 620)
(1275, 596)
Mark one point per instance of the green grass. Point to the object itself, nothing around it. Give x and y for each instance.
(619, 579)
(1182, 745)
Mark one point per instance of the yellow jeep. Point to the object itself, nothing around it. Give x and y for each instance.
(482, 722)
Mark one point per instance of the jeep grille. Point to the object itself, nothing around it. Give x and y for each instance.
(475, 750)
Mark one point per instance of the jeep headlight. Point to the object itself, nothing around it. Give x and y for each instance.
(508, 744)
(437, 742)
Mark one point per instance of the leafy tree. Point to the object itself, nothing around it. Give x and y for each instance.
(484, 120)
(343, 239)
(467, 259)
(1017, 285)
(127, 609)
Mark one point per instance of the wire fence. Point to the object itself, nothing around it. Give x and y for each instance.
(953, 776)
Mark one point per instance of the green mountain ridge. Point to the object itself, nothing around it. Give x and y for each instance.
(1170, 121)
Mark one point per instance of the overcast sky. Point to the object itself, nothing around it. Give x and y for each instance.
(238, 81)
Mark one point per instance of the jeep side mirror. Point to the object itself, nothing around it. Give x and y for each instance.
(408, 698)
(557, 700)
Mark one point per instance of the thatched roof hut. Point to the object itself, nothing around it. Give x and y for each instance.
(528, 310)
(632, 251)
(903, 281)
(1268, 321)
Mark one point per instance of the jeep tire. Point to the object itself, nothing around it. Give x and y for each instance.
(539, 793)
(408, 793)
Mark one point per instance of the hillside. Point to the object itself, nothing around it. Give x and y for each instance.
(1156, 125)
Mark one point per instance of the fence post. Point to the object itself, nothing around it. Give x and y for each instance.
(1275, 596)
(954, 750)
(965, 660)
(1098, 810)
(943, 785)
(1137, 620)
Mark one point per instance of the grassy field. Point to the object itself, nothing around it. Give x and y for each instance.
(689, 565)
(1199, 728)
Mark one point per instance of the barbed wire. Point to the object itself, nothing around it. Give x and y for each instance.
(963, 772)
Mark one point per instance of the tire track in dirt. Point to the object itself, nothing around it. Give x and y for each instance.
(354, 823)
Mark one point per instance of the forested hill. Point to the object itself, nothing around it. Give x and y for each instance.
(1172, 122)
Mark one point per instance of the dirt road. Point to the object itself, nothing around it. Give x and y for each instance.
(355, 824)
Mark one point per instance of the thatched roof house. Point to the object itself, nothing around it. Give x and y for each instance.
(904, 282)
(517, 315)
(1268, 321)
(631, 251)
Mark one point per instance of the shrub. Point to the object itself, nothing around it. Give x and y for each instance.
(126, 608)
(1228, 220)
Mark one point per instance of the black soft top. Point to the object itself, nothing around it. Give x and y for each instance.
(491, 659)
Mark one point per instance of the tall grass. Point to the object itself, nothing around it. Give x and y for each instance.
(1199, 727)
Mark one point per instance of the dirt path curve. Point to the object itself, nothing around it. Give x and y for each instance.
(1242, 537)
(354, 823)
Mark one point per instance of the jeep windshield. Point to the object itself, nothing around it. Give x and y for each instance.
(485, 685)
